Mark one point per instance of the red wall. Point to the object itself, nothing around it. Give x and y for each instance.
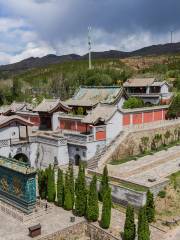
(144, 117)
(72, 124)
(137, 118)
(148, 117)
(101, 135)
(157, 115)
(126, 119)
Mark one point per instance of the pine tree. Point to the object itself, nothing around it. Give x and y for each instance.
(106, 209)
(143, 226)
(71, 182)
(60, 188)
(67, 193)
(129, 226)
(51, 185)
(104, 183)
(81, 194)
(150, 207)
(92, 203)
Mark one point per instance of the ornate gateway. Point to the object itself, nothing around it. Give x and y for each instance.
(17, 184)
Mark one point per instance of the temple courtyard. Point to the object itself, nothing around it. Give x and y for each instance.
(57, 220)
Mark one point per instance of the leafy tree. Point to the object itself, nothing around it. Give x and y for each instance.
(71, 183)
(129, 226)
(150, 207)
(92, 202)
(133, 102)
(51, 185)
(144, 144)
(60, 188)
(174, 109)
(143, 226)
(167, 135)
(106, 209)
(104, 183)
(81, 193)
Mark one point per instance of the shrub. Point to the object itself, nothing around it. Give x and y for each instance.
(162, 194)
(133, 102)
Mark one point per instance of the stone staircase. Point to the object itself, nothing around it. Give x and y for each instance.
(101, 157)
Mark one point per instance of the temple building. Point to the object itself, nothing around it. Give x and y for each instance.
(46, 109)
(150, 90)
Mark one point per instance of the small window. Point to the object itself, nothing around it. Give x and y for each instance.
(84, 154)
(77, 149)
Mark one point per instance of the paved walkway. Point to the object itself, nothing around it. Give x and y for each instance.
(57, 219)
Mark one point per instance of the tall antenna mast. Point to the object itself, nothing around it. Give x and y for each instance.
(89, 43)
(172, 36)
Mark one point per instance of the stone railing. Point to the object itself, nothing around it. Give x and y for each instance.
(77, 137)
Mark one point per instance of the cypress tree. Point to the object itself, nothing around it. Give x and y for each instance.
(81, 194)
(67, 193)
(150, 207)
(106, 209)
(71, 183)
(129, 226)
(92, 202)
(51, 185)
(143, 226)
(104, 183)
(60, 188)
(68, 200)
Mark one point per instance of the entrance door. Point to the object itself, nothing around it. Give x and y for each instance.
(77, 159)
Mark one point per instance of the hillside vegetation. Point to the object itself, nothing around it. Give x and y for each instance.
(63, 79)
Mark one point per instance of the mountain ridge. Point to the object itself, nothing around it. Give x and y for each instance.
(35, 62)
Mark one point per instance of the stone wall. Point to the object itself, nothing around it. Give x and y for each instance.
(96, 233)
(122, 195)
(131, 144)
(77, 231)
(82, 230)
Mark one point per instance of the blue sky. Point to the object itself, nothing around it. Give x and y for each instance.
(40, 27)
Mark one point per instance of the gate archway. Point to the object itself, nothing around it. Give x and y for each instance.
(22, 158)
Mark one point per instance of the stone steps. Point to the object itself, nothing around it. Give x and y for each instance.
(94, 162)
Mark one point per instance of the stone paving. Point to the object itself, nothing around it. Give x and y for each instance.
(158, 166)
(56, 220)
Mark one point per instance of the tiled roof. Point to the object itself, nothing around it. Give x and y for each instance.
(102, 112)
(15, 106)
(5, 120)
(91, 96)
(139, 82)
(48, 105)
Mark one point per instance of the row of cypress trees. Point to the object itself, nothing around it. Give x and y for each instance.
(75, 195)
(146, 215)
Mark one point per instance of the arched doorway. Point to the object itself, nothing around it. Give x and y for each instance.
(22, 158)
(77, 159)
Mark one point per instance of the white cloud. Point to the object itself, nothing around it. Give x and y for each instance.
(39, 27)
